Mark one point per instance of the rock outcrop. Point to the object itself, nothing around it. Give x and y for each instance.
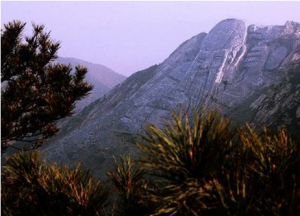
(239, 69)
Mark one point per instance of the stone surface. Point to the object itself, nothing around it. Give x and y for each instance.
(236, 68)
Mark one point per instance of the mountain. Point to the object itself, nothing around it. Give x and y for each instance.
(102, 78)
(241, 70)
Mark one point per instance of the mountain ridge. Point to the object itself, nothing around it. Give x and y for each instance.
(104, 70)
(228, 69)
(101, 77)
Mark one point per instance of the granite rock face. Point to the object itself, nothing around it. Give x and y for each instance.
(235, 68)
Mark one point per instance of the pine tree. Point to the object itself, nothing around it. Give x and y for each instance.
(35, 92)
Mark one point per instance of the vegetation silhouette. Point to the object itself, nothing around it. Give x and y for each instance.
(208, 167)
(31, 186)
(35, 92)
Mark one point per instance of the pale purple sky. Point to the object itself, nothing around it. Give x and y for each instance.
(131, 36)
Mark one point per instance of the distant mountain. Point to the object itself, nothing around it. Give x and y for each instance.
(102, 78)
(240, 70)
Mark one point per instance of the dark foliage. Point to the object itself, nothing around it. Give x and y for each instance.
(33, 187)
(210, 168)
(130, 185)
(35, 93)
(183, 159)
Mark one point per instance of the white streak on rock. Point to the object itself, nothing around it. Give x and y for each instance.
(244, 47)
(220, 72)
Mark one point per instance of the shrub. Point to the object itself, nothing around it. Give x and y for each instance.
(33, 187)
(273, 168)
(266, 178)
(184, 159)
(207, 167)
(130, 184)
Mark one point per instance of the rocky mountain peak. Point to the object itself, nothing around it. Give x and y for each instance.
(225, 35)
(240, 70)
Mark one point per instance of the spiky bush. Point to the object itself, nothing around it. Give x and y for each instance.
(273, 168)
(184, 158)
(207, 167)
(33, 187)
(130, 184)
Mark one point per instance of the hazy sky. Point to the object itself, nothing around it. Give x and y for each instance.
(131, 36)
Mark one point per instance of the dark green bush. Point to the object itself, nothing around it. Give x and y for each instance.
(266, 178)
(273, 169)
(207, 167)
(130, 184)
(185, 158)
(33, 187)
